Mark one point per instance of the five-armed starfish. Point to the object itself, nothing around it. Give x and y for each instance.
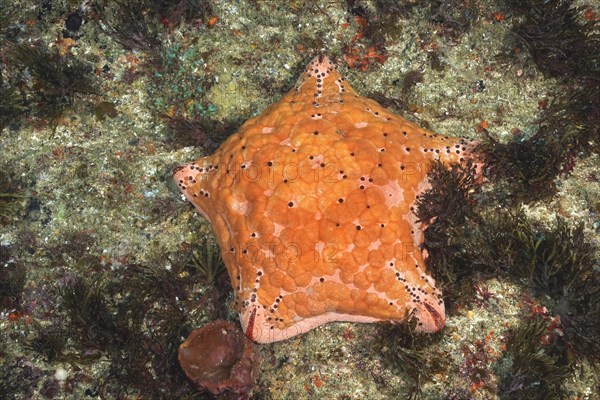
(312, 204)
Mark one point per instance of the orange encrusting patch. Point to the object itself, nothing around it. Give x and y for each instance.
(312, 203)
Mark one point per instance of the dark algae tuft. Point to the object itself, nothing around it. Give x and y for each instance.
(561, 265)
(129, 23)
(560, 45)
(536, 370)
(49, 340)
(448, 208)
(55, 80)
(451, 197)
(107, 314)
(566, 49)
(408, 352)
(12, 279)
(12, 198)
(527, 167)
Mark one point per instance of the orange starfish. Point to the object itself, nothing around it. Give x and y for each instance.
(312, 204)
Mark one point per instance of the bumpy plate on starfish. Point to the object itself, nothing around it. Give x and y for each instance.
(312, 204)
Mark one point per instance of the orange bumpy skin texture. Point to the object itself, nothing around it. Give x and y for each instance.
(312, 203)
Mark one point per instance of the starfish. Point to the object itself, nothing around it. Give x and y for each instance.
(312, 203)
